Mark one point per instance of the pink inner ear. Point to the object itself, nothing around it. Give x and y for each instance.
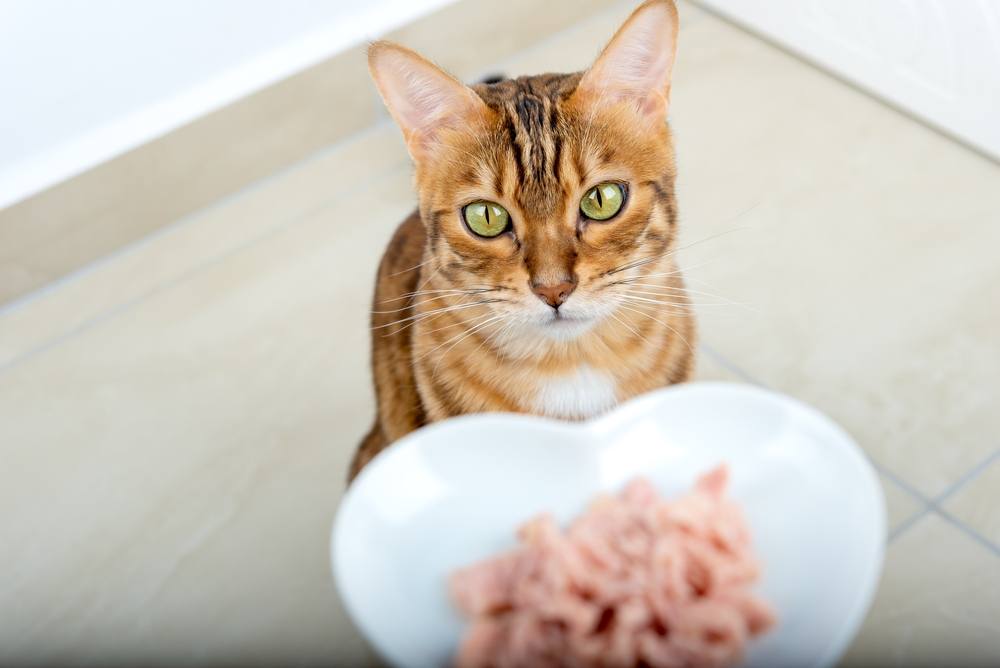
(414, 97)
(638, 61)
(426, 100)
(421, 97)
(651, 105)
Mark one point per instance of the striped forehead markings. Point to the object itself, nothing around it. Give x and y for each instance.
(532, 122)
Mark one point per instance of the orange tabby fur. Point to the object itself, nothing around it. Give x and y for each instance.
(456, 326)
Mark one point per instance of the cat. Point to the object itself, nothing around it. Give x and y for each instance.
(538, 274)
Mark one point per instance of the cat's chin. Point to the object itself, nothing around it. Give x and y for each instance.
(565, 328)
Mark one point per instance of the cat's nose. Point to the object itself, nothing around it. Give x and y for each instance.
(554, 295)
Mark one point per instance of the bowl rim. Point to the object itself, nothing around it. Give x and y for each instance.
(606, 423)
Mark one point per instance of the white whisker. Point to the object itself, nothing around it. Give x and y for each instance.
(643, 313)
(658, 291)
(450, 291)
(628, 326)
(461, 337)
(741, 228)
(445, 309)
(403, 271)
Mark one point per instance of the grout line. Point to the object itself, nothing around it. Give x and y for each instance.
(925, 505)
(932, 509)
(907, 487)
(907, 523)
(727, 364)
(182, 277)
(968, 477)
(933, 505)
(968, 531)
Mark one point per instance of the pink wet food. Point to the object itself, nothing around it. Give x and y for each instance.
(634, 581)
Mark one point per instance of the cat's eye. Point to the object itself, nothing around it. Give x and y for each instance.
(603, 201)
(487, 219)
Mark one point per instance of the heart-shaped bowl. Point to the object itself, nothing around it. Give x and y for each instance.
(455, 492)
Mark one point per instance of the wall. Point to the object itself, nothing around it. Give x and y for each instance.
(82, 82)
(937, 59)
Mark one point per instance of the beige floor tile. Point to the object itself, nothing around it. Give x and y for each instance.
(182, 459)
(711, 367)
(938, 603)
(324, 180)
(864, 241)
(19, 279)
(900, 504)
(977, 504)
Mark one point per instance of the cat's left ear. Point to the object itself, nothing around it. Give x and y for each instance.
(423, 99)
(636, 65)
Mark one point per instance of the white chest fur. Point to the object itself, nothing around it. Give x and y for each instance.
(581, 394)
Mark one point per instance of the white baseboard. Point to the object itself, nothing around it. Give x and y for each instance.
(936, 59)
(53, 147)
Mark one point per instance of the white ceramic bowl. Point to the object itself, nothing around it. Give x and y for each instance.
(455, 492)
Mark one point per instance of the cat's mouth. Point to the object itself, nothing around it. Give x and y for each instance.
(564, 326)
(560, 318)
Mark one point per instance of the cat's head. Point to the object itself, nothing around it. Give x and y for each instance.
(544, 189)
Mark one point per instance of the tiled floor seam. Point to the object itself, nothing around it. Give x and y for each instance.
(967, 530)
(907, 523)
(935, 505)
(725, 363)
(966, 478)
(179, 279)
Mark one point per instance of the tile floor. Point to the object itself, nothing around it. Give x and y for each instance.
(175, 420)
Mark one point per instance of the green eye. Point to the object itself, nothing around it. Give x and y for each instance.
(603, 201)
(487, 219)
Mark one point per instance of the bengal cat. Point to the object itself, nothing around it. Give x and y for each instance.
(538, 275)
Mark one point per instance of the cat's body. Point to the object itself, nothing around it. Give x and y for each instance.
(563, 312)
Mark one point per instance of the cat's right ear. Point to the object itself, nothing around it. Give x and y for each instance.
(423, 99)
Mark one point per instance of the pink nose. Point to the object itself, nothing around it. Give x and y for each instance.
(554, 295)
